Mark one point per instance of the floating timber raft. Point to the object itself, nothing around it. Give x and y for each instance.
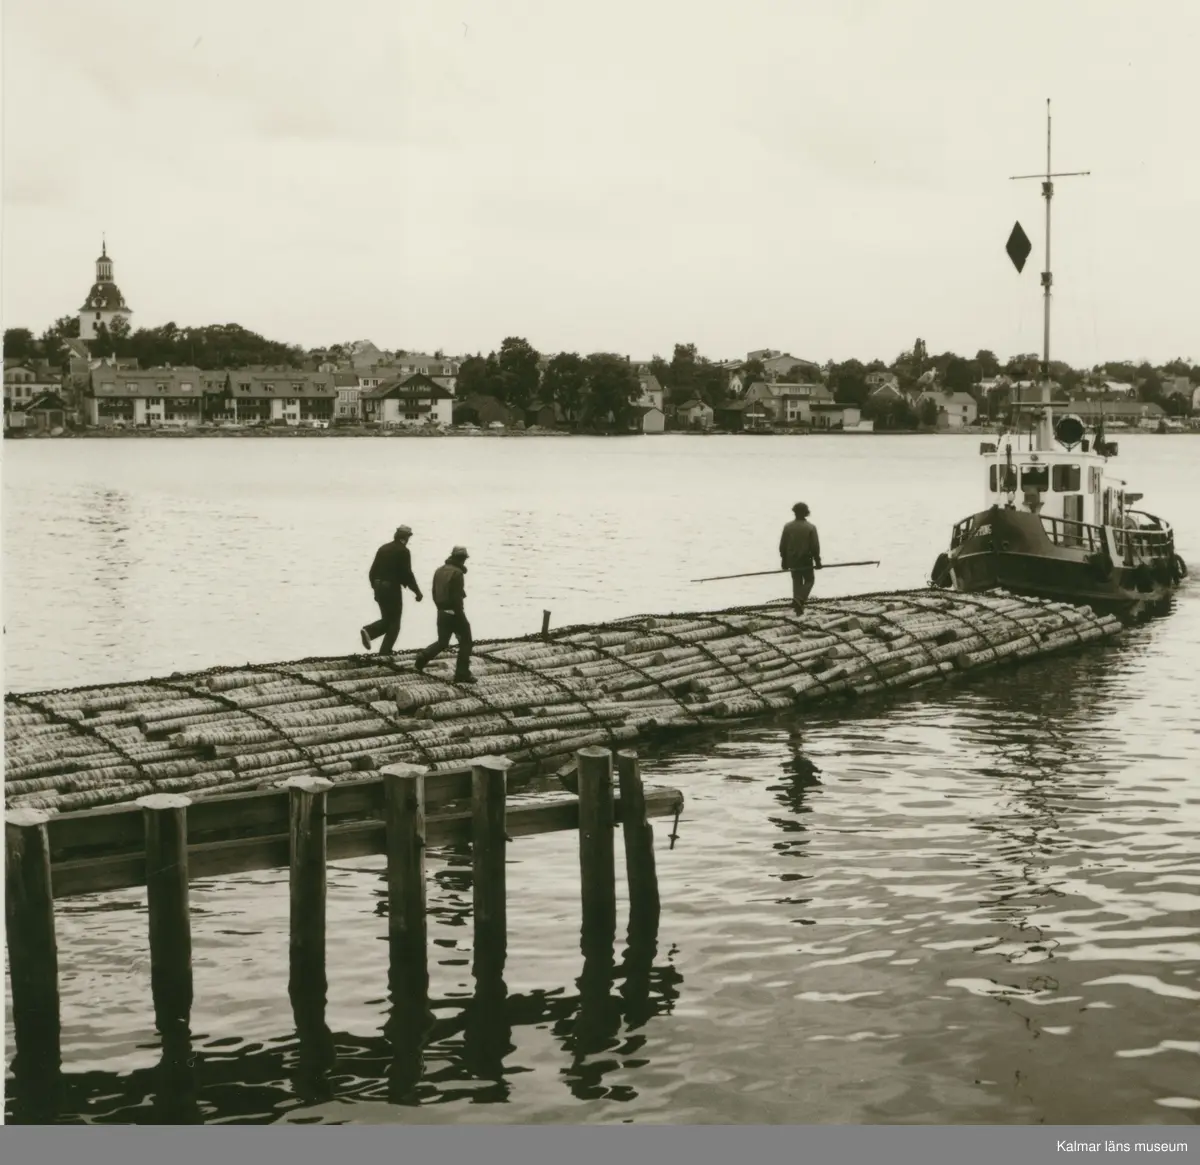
(538, 700)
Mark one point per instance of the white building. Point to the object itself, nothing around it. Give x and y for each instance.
(412, 402)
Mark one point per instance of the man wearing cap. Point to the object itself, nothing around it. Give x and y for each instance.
(390, 573)
(800, 552)
(449, 591)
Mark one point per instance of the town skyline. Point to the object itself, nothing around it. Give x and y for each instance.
(832, 181)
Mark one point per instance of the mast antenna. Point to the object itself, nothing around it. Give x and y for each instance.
(1047, 278)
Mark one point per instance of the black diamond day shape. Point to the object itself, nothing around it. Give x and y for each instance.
(1018, 247)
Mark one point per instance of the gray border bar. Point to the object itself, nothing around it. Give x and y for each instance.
(602, 1145)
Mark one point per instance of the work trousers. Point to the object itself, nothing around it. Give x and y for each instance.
(391, 608)
(802, 585)
(451, 623)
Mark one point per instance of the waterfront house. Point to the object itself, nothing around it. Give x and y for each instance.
(349, 388)
(787, 403)
(187, 397)
(282, 396)
(652, 395)
(955, 410)
(43, 414)
(651, 419)
(833, 415)
(694, 414)
(408, 402)
(481, 409)
(26, 380)
(134, 397)
(543, 415)
(730, 416)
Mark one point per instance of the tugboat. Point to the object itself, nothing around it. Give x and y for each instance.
(1056, 524)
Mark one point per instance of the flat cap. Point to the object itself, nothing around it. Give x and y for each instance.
(459, 552)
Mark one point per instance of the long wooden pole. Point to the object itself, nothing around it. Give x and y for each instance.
(760, 573)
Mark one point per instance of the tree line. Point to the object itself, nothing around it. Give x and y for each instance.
(603, 387)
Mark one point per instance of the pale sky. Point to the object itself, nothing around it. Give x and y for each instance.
(831, 179)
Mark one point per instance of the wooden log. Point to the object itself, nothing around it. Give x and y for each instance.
(307, 844)
(545, 624)
(488, 840)
(596, 859)
(640, 869)
(32, 947)
(404, 819)
(165, 819)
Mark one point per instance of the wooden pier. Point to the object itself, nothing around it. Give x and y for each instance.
(167, 841)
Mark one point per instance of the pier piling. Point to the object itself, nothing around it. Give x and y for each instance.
(596, 851)
(639, 844)
(32, 954)
(165, 819)
(488, 839)
(306, 943)
(545, 624)
(404, 818)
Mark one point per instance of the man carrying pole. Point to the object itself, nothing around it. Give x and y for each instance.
(800, 552)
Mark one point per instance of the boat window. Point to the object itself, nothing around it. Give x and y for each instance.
(1035, 477)
(1066, 478)
(1002, 478)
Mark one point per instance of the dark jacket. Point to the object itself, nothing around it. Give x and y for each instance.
(393, 568)
(799, 548)
(449, 586)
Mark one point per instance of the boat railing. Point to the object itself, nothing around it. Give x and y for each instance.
(1144, 542)
(1070, 533)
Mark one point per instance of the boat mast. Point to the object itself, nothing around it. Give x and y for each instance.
(1047, 278)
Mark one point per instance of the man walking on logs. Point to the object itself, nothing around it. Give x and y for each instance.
(800, 552)
(449, 591)
(390, 573)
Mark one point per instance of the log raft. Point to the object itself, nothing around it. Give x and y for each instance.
(538, 701)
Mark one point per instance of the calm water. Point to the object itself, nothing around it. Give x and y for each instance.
(982, 905)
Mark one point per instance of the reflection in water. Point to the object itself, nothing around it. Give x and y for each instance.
(109, 519)
(175, 1095)
(315, 1054)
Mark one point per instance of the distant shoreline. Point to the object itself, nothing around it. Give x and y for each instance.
(293, 431)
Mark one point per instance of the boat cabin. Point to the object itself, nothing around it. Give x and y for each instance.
(1061, 475)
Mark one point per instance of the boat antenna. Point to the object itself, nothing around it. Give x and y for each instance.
(1047, 278)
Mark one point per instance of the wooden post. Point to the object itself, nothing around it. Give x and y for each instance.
(165, 817)
(545, 624)
(596, 862)
(404, 817)
(639, 844)
(306, 942)
(488, 840)
(32, 952)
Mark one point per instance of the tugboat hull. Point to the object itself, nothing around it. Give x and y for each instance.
(1024, 553)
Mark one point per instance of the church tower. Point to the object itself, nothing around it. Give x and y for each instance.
(104, 302)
